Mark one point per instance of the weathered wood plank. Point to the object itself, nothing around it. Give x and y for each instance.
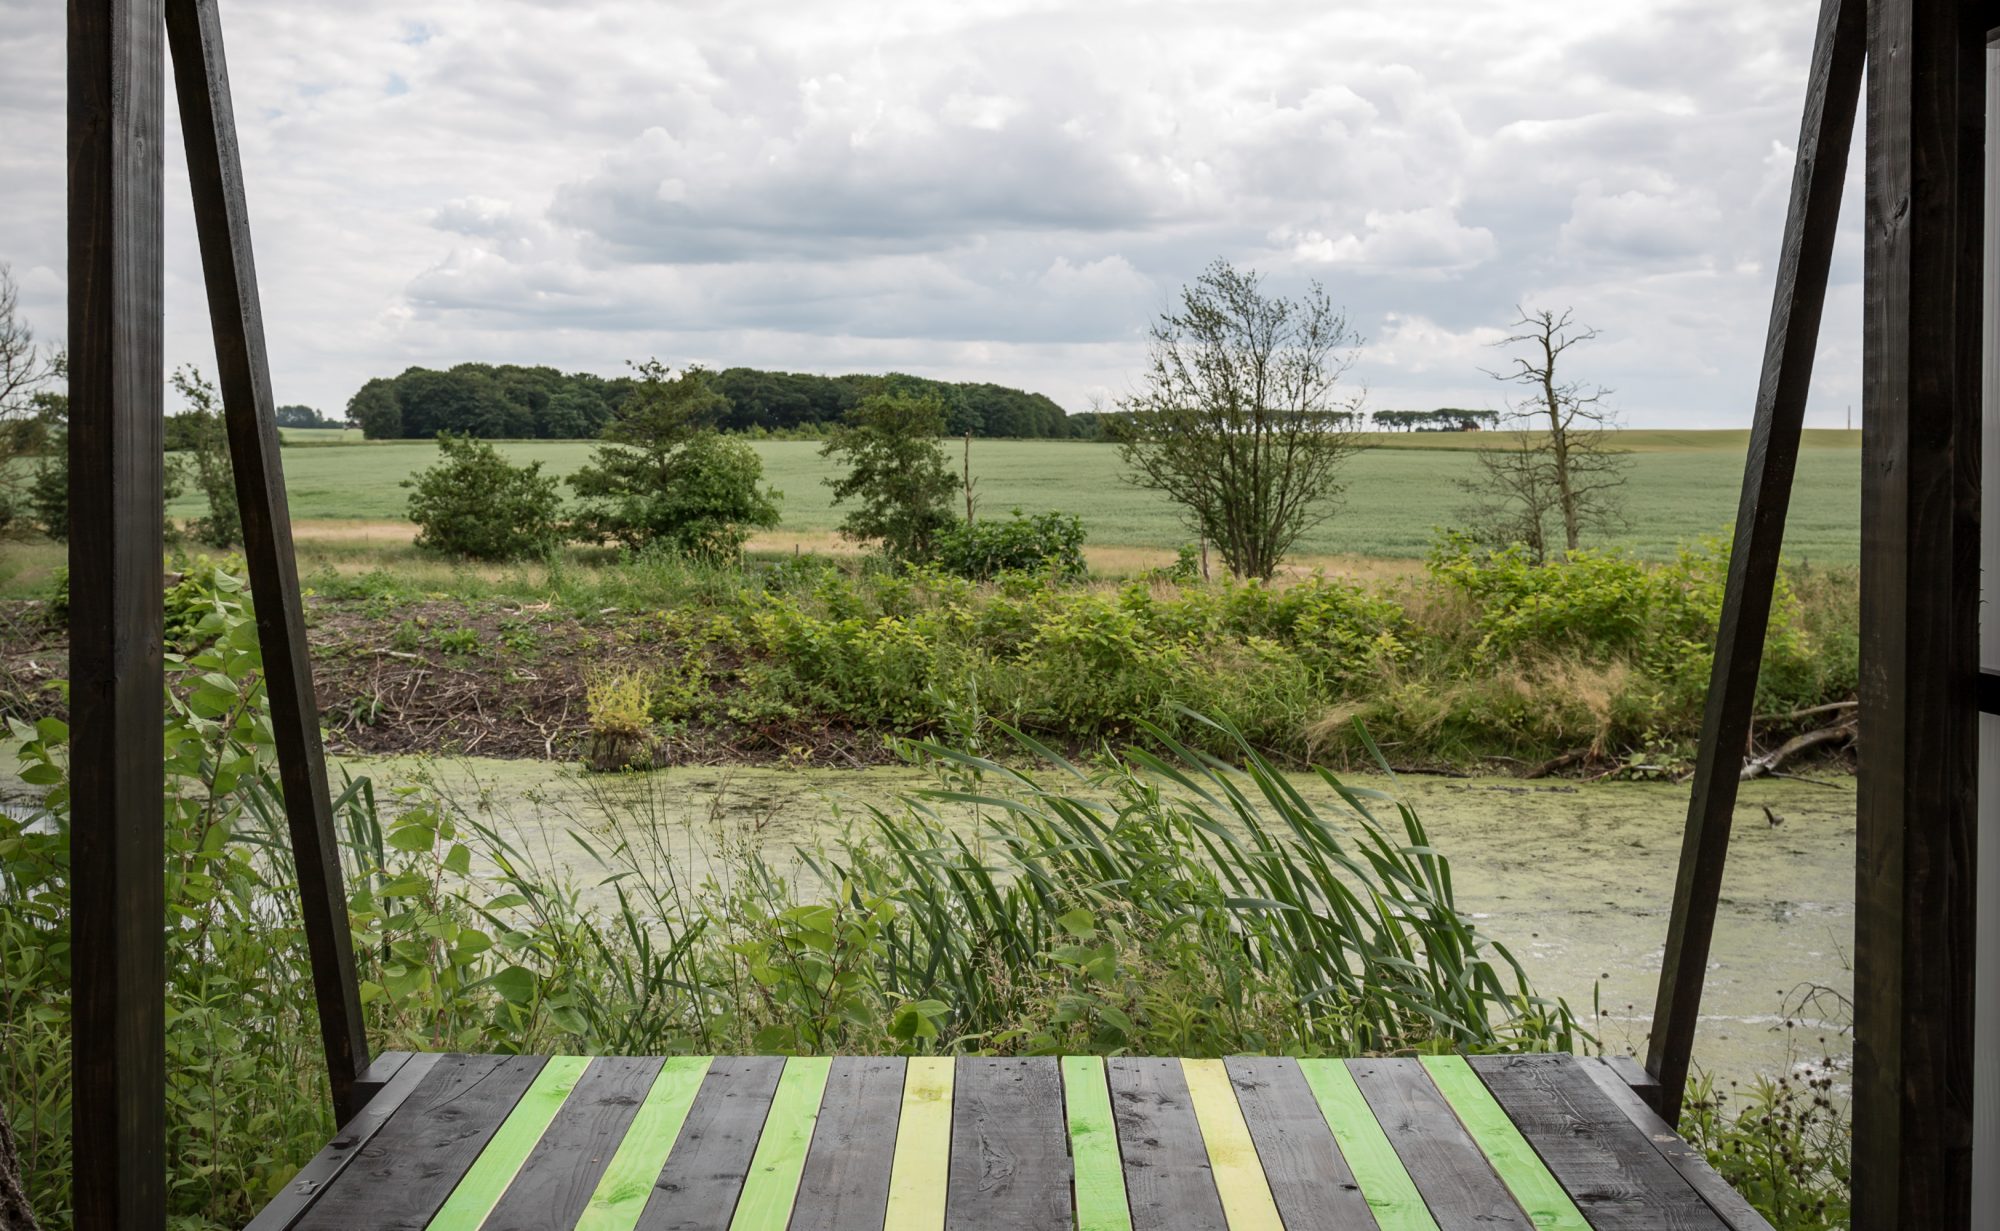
(627, 1183)
(703, 1177)
(315, 1177)
(1391, 1194)
(403, 1176)
(563, 1169)
(1010, 1168)
(1167, 1172)
(920, 1176)
(772, 1184)
(493, 1172)
(1093, 1147)
(1728, 1204)
(1916, 809)
(846, 1182)
(1833, 87)
(117, 836)
(1463, 1193)
(1232, 1156)
(1548, 1203)
(1309, 1177)
(243, 375)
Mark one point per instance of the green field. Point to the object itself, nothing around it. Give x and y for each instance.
(1683, 485)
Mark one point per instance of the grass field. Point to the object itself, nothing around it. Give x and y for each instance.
(1683, 485)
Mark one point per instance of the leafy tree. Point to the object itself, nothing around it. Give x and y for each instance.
(302, 416)
(1241, 422)
(476, 503)
(1558, 472)
(375, 409)
(664, 476)
(201, 425)
(897, 474)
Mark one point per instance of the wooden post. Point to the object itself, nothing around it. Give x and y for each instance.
(1916, 841)
(1832, 93)
(243, 372)
(117, 836)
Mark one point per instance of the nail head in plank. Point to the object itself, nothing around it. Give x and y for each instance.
(1386, 1184)
(1616, 1175)
(404, 1175)
(1232, 1155)
(1167, 1173)
(1728, 1204)
(703, 1177)
(627, 1183)
(1309, 1177)
(310, 1184)
(1010, 1167)
(773, 1182)
(1509, 1153)
(1462, 1192)
(1093, 1147)
(845, 1186)
(920, 1176)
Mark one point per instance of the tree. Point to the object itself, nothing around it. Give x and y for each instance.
(15, 1212)
(207, 444)
(376, 411)
(664, 475)
(897, 473)
(26, 372)
(302, 416)
(1241, 422)
(475, 503)
(1559, 472)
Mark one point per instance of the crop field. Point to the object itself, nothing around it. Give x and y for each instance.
(1683, 485)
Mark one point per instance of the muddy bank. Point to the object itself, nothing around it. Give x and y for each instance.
(1576, 878)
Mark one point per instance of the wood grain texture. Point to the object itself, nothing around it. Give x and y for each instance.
(317, 1176)
(1508, 1150)
(1232, 1156)
(493, 1172)
(1392, 1195)
(1458, 1186)
(1916, 808)
(920, 1176)
(403, 1176)
(772, 1185)
(1309, 1177)
(1833, 88)
(1728, 1204)
(558, 1176)
(117, 835)
(243, 375)
(1010, 1168)
(846, 1182)
(703, 1177)
(1093, 1147)
(627, 1184)
(1167, 1174)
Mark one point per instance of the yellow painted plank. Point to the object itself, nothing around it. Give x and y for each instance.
(921, 1173)
(1232, 1155)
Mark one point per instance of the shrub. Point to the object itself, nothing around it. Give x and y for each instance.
(1047, 542)
(476, 503)
(896, 474)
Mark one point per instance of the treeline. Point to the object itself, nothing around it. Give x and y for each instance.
(515, 402)
(1448, 419)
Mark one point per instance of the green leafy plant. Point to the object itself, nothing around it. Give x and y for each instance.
(1049, 543)
(474, 503)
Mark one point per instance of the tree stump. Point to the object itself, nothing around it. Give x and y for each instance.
(15, 1214)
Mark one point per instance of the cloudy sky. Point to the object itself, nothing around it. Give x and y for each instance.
(1003, 190)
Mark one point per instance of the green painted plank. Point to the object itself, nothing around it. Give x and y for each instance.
(627, 1185)
(1391, 1194)
(1093, 1147)
(920, 1176)
(483, 1186)
(1519, 1167)
(1232, 1156)
(773, 1183)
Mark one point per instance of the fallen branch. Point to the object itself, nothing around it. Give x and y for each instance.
(1553, 764)
(1758, 767)
(1832, 707)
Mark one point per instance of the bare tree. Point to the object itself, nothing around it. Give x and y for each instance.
(25, 369)
(1242, 423)
(1557, 471)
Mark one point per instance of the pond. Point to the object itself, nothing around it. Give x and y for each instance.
(1576, 878)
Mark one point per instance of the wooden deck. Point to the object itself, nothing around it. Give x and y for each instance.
(513, 1143)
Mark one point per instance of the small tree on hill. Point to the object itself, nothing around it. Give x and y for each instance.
(665, 476)
(1561, 472)
(476, 503)
(897, 474)
(1242, 422)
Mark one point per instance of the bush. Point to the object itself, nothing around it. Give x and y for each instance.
(477, 504)
(896, 474)
(1046, 542)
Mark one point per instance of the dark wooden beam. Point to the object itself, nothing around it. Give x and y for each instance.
(243, 373)
(1832, 93)
(117, 835)
(1916, 840)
